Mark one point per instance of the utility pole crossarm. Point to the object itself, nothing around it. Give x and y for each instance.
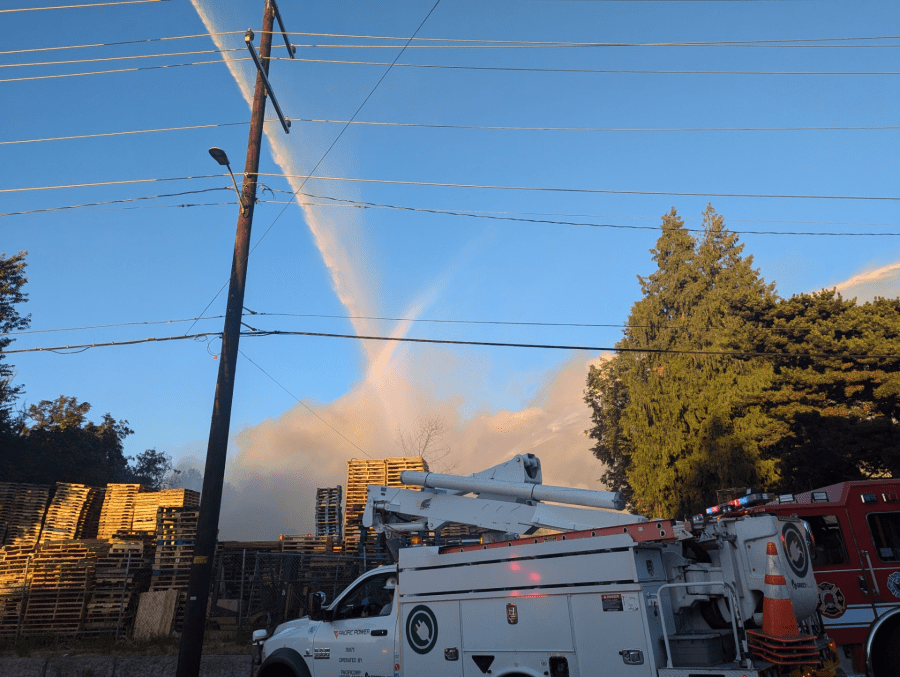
(248, 39)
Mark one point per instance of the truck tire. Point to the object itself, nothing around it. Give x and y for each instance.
(283, 663)
(883, 648)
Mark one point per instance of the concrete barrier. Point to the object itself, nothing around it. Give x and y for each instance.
(138, 666)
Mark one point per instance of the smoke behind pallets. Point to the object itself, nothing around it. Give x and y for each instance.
(283, 461)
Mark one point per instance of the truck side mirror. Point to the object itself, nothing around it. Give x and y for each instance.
(316, 604)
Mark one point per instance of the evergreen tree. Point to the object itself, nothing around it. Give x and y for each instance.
(673, 427)
(12, 280)
(832, 419)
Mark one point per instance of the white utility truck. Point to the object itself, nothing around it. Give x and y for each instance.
(609, 593)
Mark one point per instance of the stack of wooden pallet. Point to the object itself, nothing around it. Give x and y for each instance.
(118, 508)
(147, 503)
(60, 581)
(71, 512)
(176, 531)
(22, 508)
(119, 577)
(328, 511)
(310, 545)
(15, 565)
(360, 474)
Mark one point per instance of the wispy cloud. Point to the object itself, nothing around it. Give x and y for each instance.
(883, 281)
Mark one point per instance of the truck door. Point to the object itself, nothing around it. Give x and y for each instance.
(359, 638)
(876, 524)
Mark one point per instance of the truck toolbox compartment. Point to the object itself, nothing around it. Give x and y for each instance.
(702, 649)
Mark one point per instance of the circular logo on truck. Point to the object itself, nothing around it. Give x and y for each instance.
(421, 629)
(832, 603)
(795, 549)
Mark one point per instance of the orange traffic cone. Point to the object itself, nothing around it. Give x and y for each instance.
(778, 610)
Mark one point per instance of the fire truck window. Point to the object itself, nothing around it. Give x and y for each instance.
(885, 528)
(829, 541)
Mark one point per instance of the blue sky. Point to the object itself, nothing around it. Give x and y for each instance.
(107, 265)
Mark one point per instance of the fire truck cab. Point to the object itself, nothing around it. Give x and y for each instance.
(855, 553)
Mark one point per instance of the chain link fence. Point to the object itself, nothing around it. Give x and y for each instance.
(93, 595)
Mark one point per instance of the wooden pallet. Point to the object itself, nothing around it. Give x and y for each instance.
(309, 544)
(147, 504)
(22, 509)
(68, 513)
(118, 508)
(362, 473)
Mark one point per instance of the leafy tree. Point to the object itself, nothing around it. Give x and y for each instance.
(669, 419)
(59, 444)
(12, 280)
(832, 418)
(152, 468)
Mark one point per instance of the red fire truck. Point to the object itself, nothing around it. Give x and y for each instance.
(855, 538)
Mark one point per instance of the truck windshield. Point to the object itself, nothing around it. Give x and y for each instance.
(368, 598)
(829, 545)
(885, 528)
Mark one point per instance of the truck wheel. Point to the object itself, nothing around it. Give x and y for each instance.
(886, 652)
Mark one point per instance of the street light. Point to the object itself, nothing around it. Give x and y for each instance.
(219, 156)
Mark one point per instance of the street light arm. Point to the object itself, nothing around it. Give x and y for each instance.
(244, 207)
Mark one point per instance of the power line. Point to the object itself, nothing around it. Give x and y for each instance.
(93, 4)
(132, 199)
(303, 404)
(116, 44)
(111, 183)
(598, 191)
(108, 326)
(505, 323)
(786, 42)
(625, 44)
(626, 71)
(492, 344)
(118, 58)
(476, 215)
(438, 184)
(120, 70)
(836, 128)
(454, 67)
(496, 216)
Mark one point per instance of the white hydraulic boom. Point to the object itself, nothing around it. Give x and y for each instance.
(508, 499)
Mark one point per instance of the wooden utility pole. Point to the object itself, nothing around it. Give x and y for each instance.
(213, 477)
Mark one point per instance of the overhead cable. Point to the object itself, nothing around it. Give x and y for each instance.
(599, 191)
(635, 44)
(495, 217)
(492, 344)
(834, 128)
(109, 202)
(626, 71)
(117, 44)
(438, 184)
(303, 404)
(120, 70)
(786, 42)
(112, 183)
(81, 6)
(119, 58)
